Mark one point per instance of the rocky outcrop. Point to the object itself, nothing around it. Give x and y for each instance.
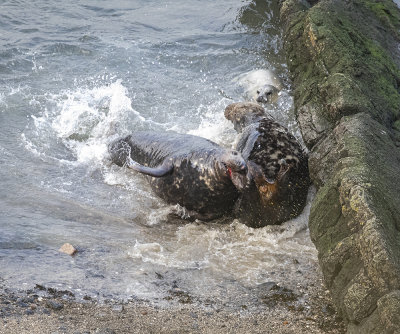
(344, 57)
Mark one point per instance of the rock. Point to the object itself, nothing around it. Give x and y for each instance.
(56, 306)
(46, 311)
(345, 66)
(105, 331)
(117, 308)
(29, 312)
(68, 249)
(22, 304)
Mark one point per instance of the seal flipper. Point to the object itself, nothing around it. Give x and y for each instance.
(162, 170)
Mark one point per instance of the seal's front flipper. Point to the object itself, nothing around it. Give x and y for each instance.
(162, 170)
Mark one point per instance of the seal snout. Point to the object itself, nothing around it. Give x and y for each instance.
(236, 169)
(236, 163)
(266, 94)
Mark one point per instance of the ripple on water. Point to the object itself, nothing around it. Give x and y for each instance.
(77, 77)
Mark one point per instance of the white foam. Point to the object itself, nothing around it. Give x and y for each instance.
(2, 102)
(236, 250)
(157, 254)
(84, 119)
(214, 125)
(30, 146)
(116, 176)
(159, 216)
(92, 109)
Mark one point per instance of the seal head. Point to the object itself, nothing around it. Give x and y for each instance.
(267, 94)
(243, 114)
(235, 168)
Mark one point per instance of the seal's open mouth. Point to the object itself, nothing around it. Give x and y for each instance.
(242, 170)
(238, 176)
(229, 172)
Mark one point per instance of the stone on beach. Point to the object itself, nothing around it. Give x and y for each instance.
(67, 248)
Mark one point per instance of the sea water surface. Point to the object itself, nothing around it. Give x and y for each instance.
(76, 75)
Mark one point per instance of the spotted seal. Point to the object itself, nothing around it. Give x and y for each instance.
(184, 169)
(277, 164)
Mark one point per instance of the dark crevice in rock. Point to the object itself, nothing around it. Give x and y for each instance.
(312, 2)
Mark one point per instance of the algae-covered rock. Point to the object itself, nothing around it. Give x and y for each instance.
(345, 66)
(341, 58)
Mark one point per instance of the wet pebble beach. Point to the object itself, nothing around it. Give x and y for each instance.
(44, 310)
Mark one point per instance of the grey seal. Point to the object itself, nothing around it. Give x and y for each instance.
(261, 85)
(184, 169)
(277, 163)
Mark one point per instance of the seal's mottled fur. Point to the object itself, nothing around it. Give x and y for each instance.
(183, 169)
(278, 167)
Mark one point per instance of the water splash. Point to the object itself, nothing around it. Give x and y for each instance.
(84, 120)
(213, 124)
(235, 251)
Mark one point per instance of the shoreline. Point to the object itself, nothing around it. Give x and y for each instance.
(42, 310)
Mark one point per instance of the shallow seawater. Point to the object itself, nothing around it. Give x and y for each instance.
(73, 77)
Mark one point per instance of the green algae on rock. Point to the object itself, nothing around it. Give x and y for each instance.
(345, 66)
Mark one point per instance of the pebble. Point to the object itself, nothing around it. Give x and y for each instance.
(56, 306)
(28, 300)
(105, 331)
(68, 249)
(29, 312)
(22, 304)
(117, 308)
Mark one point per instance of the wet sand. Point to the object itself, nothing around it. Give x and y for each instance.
(43, 310)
